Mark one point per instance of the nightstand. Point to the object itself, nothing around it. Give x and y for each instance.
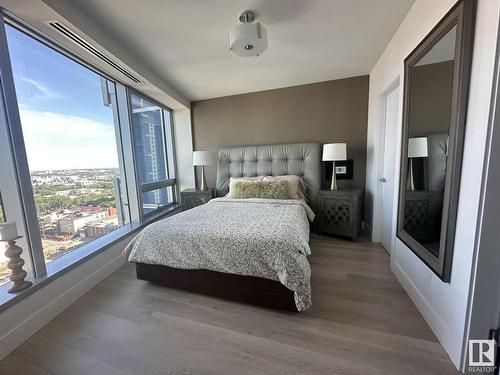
(191, 197)
(340, 212)
(418, 219)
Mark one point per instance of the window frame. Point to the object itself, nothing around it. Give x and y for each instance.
(40, 266)
(3, 217)
(170, 161)
(19, 158)
(26, 217)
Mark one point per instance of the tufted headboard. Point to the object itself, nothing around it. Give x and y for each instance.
(436, 162)
(301, 159)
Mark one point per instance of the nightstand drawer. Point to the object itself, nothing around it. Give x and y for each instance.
(191, 198)
(193, 201)
(340, 212)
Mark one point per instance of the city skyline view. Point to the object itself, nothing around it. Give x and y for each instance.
(70, 142)
(61, 109)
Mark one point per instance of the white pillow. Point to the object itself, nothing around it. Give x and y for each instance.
(232, 180)
(296, 185)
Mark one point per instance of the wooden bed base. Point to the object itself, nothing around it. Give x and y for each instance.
(246, 289)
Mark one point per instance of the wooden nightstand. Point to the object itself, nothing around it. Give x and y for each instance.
(340, 212)
(191, 197)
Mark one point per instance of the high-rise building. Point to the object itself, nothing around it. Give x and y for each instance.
(149, 143)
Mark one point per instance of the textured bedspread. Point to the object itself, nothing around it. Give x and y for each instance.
(253, 237)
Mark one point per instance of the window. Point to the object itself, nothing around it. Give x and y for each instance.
(84, 159)
(153, 153)
(71, 143)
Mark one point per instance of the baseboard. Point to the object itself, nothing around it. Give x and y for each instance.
(432, 318)
(25, 329)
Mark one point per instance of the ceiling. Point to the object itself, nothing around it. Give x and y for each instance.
(443, 50)
(186, 42)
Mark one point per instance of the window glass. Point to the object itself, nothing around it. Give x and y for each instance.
(149, 135)
(153, 146)
(155, 199)
(71, 144)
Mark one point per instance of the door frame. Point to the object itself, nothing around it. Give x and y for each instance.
(380, 161)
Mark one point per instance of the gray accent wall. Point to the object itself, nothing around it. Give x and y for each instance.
(325, 112)
(430, 102)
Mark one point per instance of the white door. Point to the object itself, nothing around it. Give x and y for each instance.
(388, 171)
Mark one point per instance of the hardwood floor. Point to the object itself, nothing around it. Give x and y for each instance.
(361, 322)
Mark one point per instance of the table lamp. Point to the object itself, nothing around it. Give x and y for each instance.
(417, 148)
(202, 158)
(8, 233)
(334, 152)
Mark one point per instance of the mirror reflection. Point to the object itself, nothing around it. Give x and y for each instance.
(430, 99)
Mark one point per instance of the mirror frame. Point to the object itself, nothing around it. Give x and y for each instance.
(461, 15)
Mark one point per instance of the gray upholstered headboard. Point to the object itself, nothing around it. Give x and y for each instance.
(301, 159)
(436, 162)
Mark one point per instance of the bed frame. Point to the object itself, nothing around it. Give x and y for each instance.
(301, 159)
(246, 289)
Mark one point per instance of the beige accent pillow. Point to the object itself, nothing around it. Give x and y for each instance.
(233, 180)
(260, 189)
(296, 185)
(273, 189)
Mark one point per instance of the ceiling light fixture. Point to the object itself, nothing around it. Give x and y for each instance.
(248, 38)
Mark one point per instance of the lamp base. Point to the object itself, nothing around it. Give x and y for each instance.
(203, 185)
(410, 181)
(16, 288)
(333, 185)
(15, 264)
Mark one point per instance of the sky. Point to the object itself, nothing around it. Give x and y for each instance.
(65, 123)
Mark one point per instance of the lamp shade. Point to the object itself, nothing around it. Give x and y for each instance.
(8, 231)
(334, 151)
(202, 158)
(417, 147)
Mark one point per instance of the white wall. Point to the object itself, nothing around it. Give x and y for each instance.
(184, 149)
(484, 309)
(443, 305)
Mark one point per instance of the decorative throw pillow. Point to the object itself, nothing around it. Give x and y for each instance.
(234, 180)
(260, 189)
(273, 190)
(245, 189)
(296, 185)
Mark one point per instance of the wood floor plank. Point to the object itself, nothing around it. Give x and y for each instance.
(361, 322)
(19, 366)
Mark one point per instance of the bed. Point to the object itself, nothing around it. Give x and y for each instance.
(248, 250)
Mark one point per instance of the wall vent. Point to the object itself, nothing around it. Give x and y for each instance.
(75, 38)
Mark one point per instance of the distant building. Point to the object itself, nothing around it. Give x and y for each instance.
(112, 211)
(100, 229)
(73, 223)
(148, 130)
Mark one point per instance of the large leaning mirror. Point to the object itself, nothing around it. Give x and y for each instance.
(434, 113)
